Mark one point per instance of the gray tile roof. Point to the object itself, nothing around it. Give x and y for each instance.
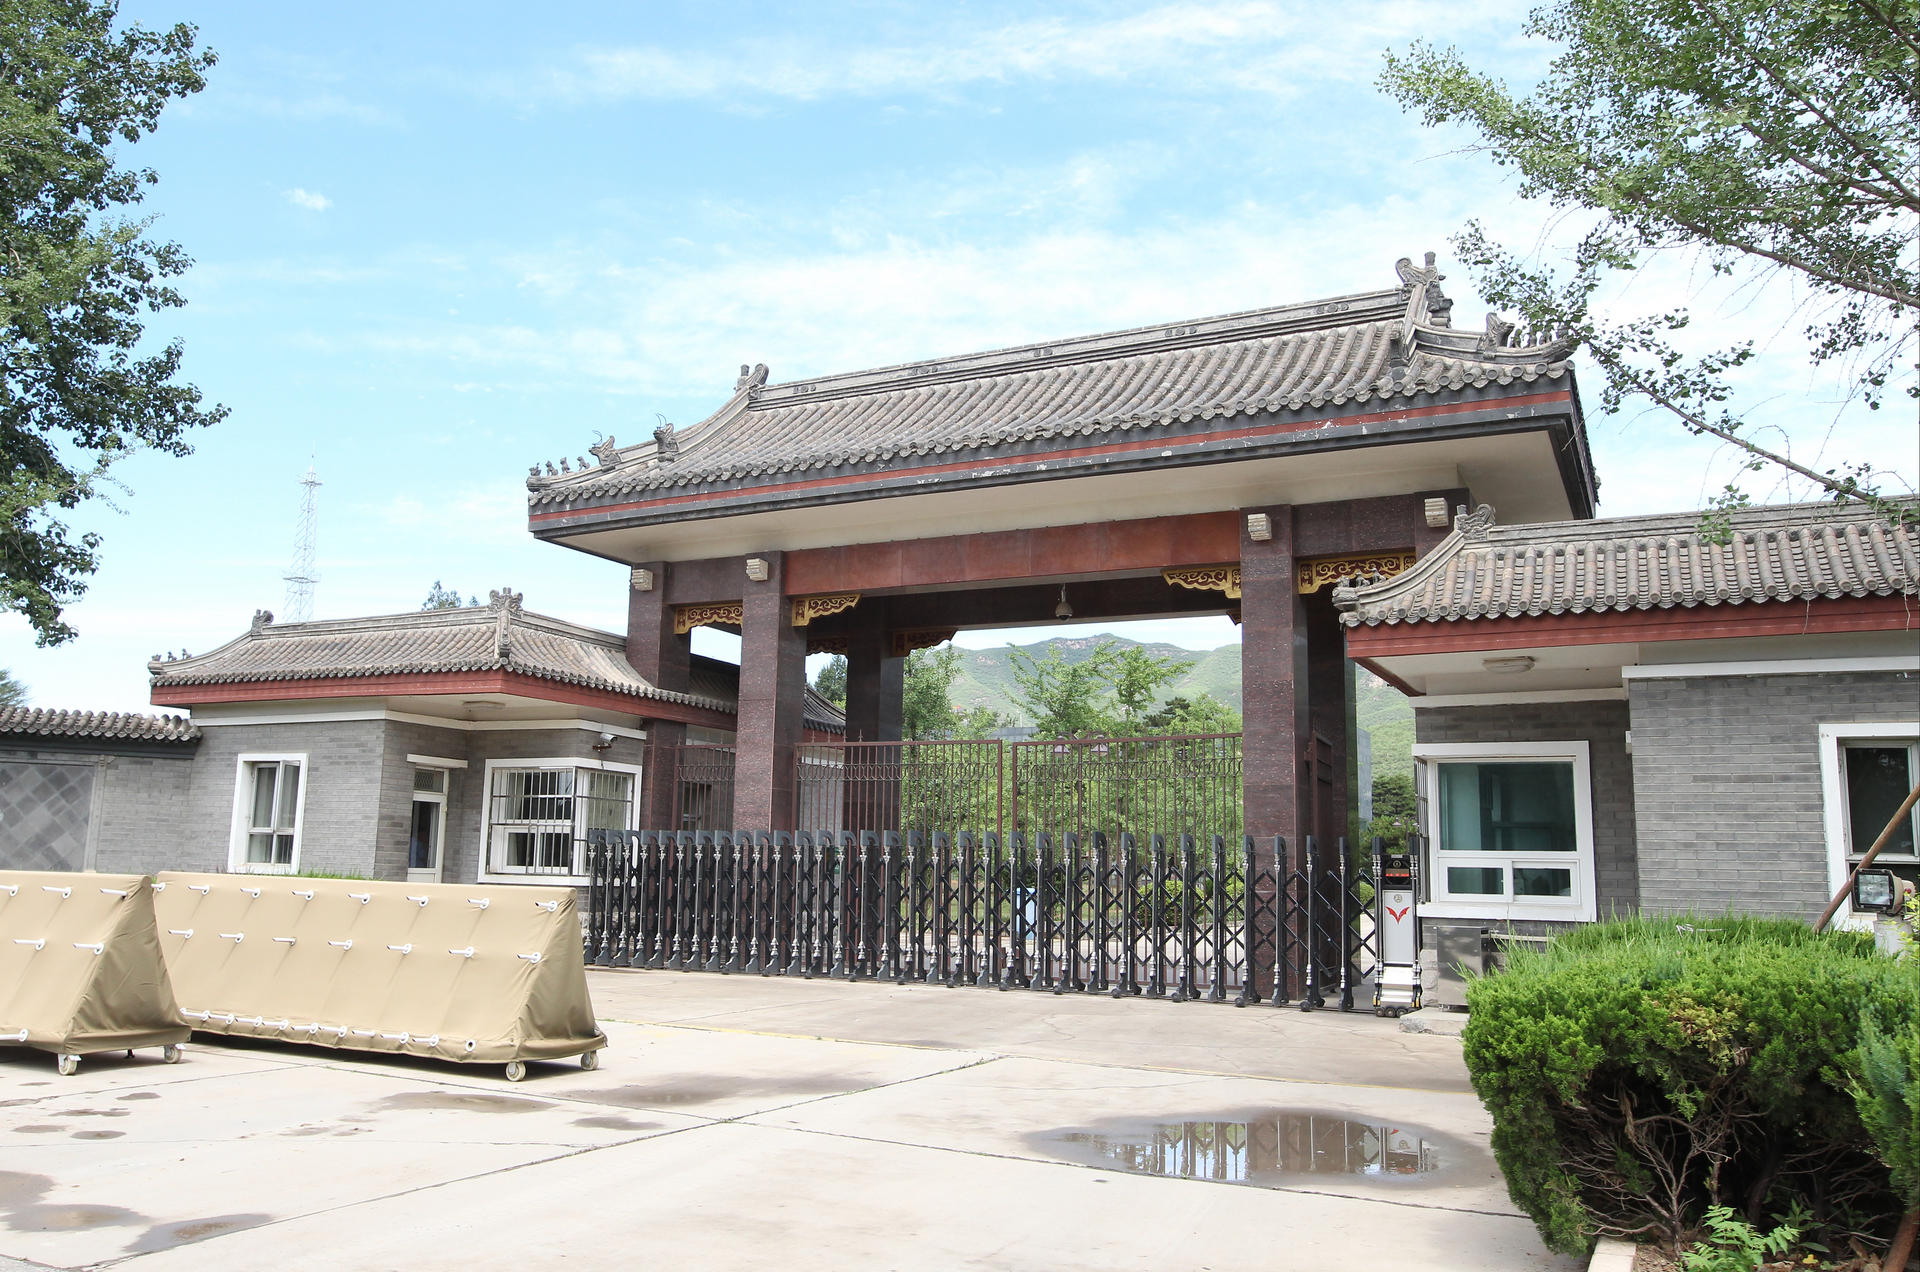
(498, 636)
(107, 725)
(1380, 347)
(1791, 552)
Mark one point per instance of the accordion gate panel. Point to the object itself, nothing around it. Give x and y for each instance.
(479, 974)
(80, 967)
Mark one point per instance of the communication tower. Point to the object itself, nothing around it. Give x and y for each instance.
(304, 575)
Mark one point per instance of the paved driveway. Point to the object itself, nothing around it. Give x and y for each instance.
(742, 1122)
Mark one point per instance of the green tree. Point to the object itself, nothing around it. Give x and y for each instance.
(1394, 812)
(1137, 678)
(1066, 699)
(1779, 135)
(77, 277)
(831, 683)
(1886, 1092)
(1204, 714)
(927, 709)
(12, 692)
(439, 598)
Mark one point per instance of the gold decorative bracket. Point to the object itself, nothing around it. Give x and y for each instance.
(808, 608)
(905, 643)
(1206, 578)
(713, 614)
(1312, 575)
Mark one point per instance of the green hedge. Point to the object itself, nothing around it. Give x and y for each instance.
(1641, 1070)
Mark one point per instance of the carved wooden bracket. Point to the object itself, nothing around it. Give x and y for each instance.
(808, 608)
(1206, 578)
(827, 645)
(905, 643)
(1312, 575)
(713, 614)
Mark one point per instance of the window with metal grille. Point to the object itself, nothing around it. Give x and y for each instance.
(538, 816)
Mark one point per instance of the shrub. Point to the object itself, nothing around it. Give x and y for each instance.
(1642, 1070)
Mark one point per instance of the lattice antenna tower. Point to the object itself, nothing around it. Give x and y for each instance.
(303, 576)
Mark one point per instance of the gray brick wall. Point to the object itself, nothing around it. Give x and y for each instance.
(144, 810)
(394, 827)
(1727, 770)
(1603, 726)
(337, 829)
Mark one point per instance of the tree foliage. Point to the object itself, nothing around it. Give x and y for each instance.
(927, 709)
(12, 692)
(1785, 135)
(1204, 714)
(439, 598)
(77, 277)
(831, 682)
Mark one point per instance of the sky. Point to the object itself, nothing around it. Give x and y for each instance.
(434, 245)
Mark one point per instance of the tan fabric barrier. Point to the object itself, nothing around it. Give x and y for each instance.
(80, 967)
(480, 974)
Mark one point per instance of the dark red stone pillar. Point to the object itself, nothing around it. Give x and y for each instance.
(875, 685)
(665, 659)
(773, 684)
(1273, 655)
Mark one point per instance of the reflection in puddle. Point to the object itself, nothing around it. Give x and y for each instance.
(1267, 1149)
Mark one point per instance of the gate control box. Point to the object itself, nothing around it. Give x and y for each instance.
(1396, 985)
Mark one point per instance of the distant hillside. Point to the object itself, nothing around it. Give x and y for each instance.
(986, 680)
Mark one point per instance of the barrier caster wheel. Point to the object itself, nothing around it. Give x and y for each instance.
(68, 1065)
(516, 1070)
(171, 1053)
(589, 1060)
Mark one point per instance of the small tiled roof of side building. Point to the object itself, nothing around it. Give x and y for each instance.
(1788, 552)
(498, 636)
(104, 725)
(1385, 347)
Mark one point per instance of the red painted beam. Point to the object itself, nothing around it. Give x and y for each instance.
(421, 685)
(1702, 622)
(987, 464)
(1102, 547)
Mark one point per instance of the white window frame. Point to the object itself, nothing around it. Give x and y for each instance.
(486, 873)
(1582, 907)
(237, 862)
(1834, 738)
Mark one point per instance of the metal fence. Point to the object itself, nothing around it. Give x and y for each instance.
(700, 778)
(1179, 920)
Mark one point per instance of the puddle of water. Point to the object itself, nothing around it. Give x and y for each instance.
(1274, 1149)
(475, 1102)
(19, 1186)
(54, 1218)
(93, 1113)
(614, 1123)
(39, 1128)
(96, 1135)
(676, 1089)
(139, 1095)
(165, 1236)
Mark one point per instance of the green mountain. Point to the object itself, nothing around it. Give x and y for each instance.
(986, 680)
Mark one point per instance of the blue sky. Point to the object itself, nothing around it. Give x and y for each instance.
(436, 244)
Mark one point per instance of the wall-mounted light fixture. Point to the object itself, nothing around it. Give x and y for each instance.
(1063, 610)
(757, 569)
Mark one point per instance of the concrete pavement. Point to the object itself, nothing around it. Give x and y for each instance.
(742, 1122)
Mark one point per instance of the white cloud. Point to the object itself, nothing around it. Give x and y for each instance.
(309, 200)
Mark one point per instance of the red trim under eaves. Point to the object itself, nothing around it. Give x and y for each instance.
(435, 683)
(1611, 627)
(1071, 452)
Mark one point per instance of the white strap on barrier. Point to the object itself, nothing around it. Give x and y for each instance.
(160, 887)
(338, 1031)
(401, 1038)
(38, 943)
(235, 937)
(13, 889)
(255, 1021)
(187, 933)
(64, 892)
(307, 895)
(252, 892)
(365, 1033)
(115, 892)
(225, 1017)
(21, 1036)
(275, 1024)
(471, 1044)
(286, 940)
(345, 945)
(98, 947)
(532, 958)
(196, 1015)
(404, 949)
(309, 1030)
(201, 888)
(466, 953)
(482, 902)
(361, 897)
(432, 1041)
(548, 906)
(421, 900)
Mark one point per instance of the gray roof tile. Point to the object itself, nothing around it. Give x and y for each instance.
(119, 725)
(1378, 347)
(1792, 552)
